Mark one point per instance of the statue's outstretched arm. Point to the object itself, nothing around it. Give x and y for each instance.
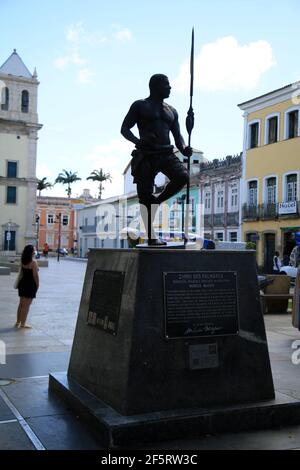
(130, 121)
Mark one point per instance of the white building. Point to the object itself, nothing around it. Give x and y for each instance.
(219, 182)
(18, 148)
(99, 224)
(102, 224)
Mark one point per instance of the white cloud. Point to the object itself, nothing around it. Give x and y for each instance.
(124, 35)
(95, 39)
(77, 34)
(61, 62)
(74, 32)
(227, 65)
(85, 75)
(77, 38)
(72, 58)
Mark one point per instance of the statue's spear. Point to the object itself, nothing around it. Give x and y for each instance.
(189, 127)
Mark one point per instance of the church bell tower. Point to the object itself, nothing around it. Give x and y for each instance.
(19, 128)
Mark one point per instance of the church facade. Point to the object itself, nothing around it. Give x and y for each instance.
(19, 128)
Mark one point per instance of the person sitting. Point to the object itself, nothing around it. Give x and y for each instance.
(276, 263)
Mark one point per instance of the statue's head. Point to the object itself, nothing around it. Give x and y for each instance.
(160, 86)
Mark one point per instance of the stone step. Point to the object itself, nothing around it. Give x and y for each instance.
(4, 271)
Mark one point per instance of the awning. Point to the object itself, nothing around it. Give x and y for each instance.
(290, 229)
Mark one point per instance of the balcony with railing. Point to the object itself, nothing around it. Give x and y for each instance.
(219, 220)
(208, 221)
(268, 211)
(250, 212)
(279, 210)
(88, 228)
(233, 219)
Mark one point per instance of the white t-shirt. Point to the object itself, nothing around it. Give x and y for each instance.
(276, 263)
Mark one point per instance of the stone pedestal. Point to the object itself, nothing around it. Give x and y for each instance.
(148, 350)
(4, 271)
(171, 343)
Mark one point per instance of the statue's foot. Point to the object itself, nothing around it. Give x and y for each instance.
(156, 242)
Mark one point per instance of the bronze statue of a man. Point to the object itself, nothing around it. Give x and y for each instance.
(154, 153)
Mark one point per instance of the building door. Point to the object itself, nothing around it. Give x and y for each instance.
(10, 240)
(269, 252)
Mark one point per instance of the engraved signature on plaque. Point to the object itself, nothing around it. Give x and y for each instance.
(105, 300)
(200, 303)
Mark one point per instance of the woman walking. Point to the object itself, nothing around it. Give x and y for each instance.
(27, 286)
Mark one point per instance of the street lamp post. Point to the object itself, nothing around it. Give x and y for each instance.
(37, 221)
(180, 200)
(8, 235)
(59, 234)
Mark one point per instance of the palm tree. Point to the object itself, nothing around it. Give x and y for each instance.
(43, 184)
(67, 177)
(100, 176)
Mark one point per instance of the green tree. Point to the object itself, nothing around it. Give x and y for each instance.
(43, 184)
(67, 177)
(100, 176)
(250, 246)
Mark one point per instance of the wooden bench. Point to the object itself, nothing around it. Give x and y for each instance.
(276, 297)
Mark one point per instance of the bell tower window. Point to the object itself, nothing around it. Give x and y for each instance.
(5, 99)
(25, 101)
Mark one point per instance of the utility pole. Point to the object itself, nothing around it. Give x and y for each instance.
(59, 234)
(8, 235)
(180, 200)
(37, 221)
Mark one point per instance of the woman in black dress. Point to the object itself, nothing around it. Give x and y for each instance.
(27, 286)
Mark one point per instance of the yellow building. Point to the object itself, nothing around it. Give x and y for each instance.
(271, 165)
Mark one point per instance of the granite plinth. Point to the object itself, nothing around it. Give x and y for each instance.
(116, 430)
(13, 267)
(131, 365)
(4, 271)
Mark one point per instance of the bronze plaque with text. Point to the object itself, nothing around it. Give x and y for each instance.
(200, 303)
(105, 300)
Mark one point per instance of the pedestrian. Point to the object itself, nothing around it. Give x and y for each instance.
(28, 285)
(46, 250)
(295, 256)
(276, 263)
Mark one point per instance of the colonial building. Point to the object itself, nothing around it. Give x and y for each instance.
(219, 182)
(56, 221)
(100, 224)
(19, 128)
(271, 172)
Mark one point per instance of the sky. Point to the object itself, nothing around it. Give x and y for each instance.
(94, 58)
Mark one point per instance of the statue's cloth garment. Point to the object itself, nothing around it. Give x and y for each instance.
(146, 165)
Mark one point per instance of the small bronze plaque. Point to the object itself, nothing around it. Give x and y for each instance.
(200, 303)
(105, 300)
(203, 356)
